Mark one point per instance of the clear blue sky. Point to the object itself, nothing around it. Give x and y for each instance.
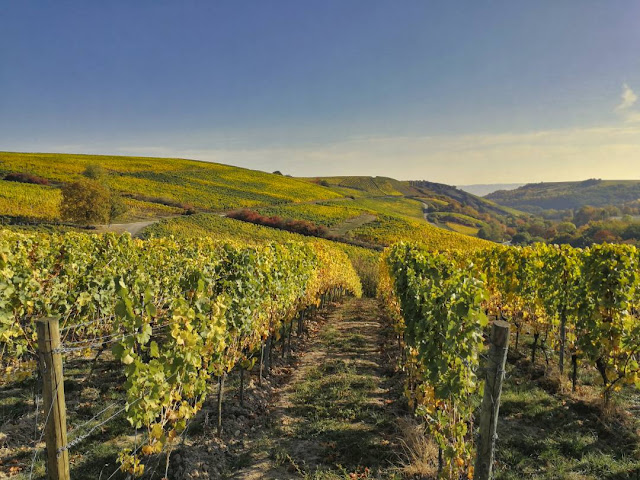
(460, 92)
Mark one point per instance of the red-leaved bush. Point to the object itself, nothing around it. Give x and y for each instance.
(296, 226)
(26, 178)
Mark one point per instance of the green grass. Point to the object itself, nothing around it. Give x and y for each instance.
(545, 432)
(540, 437)
(336, 410)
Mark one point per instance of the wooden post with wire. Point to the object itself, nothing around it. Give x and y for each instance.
(491, 401)
(53, 394)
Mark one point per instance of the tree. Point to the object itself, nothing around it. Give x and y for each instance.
(86, 202)
(491, 231)
(521, 238)
(116, 206)
(94, 171)
(588, 214)
(566, 227)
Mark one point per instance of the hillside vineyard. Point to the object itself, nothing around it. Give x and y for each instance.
(174, 314)
(581, 303)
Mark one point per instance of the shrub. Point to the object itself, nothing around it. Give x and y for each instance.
(302, 227)
(189, 209)
(86, 202)
(26, 178)
(94, 171)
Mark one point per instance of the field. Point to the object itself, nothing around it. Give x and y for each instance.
(387, 230)
(318, 385)
(29, 201)
(442, 217)
(207, 186)
(327, 214)
(155, 188)
(457, 227)
(376, 186)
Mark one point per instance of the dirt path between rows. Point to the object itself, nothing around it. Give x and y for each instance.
(336, 415)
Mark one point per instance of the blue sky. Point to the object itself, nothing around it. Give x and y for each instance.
(458, 92)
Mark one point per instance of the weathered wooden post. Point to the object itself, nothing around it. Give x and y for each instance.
(53, 392)
(491, 400)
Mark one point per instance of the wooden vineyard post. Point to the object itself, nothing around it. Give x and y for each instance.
(491, 400)
(53, 394)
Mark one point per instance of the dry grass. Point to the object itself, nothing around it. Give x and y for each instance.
(420, 453)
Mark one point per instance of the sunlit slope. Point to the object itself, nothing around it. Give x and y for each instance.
(383, 231)
(387, 230)
(332, 213)
(206, 186)
(362, 185)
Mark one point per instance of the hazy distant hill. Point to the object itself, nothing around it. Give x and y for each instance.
(482, 189)
(463, 197)
(565, 195)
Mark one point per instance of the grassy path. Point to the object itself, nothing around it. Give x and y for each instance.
(336, 415)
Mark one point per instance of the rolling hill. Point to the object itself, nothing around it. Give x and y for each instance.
(375, 211)
(534, 197)
(151, 186)
(483, 189)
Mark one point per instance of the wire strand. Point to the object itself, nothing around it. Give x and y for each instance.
(86, 324)
(80, 438)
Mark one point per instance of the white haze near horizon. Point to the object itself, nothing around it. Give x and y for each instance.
(610, 151)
